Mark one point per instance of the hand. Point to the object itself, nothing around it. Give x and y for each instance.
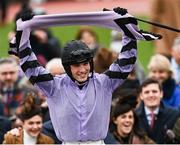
(119, 10)
(26, 15)
(11, 35)
(14, 132)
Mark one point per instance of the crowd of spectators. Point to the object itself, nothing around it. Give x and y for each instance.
(145, 109)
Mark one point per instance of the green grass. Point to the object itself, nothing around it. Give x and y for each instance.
(4, 30)
(67, 33)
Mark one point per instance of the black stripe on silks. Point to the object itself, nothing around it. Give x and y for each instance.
(40, 78)
(121, 22)
(129, 20)
(30, 64)
(25, 52)
(116, 75)
(12, 45)
(131, 45)
(12, 53)
(126, 61)
(18, 39)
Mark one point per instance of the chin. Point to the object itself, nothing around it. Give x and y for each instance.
(82, 80)
(35, 134)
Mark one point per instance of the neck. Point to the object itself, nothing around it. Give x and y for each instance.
(152, 109)
(28, 139)
(80, 84)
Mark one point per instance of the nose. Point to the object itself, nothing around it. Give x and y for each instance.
(150, 93)
(82, 68)
(156, 75)
(35, 126)
(127, 119)
(8, 76)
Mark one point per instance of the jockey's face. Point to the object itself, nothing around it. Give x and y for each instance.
(80, 71)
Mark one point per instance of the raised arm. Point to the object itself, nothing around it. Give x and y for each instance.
(120, 69)
(36, 74)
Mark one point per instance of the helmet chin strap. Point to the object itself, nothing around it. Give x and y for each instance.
(81, 84)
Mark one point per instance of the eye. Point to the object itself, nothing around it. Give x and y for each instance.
(38, 123)
(30, 123)
(146, 92)
(154, 91)
(130, 116)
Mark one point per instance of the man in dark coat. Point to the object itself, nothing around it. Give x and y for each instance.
(155, 118)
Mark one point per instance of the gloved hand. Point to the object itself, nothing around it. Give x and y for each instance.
(120, 11)
(26, 15)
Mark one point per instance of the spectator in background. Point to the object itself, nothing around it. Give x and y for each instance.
(116, 41)
(49, 131)
(165, 12)
(31, 116)
(3, 10)
(45, 45)
(40, 100)
(124, 124)
(5, 125)
(48, 46)
(176, 131)
(10, 91)
(160, 69)
(103, 59)
(155, 117)
(88, 36)
(175, 60)
(116, 46)
(55, 67)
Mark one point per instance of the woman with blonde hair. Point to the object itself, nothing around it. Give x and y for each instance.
(160, 68)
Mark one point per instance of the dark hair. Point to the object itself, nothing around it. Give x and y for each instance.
(136, 127)
(29, 107)
(148, 82)
(127, 101)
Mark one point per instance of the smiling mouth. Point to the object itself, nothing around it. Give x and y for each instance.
(127, 125)
(82, 76)
(35, 131)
